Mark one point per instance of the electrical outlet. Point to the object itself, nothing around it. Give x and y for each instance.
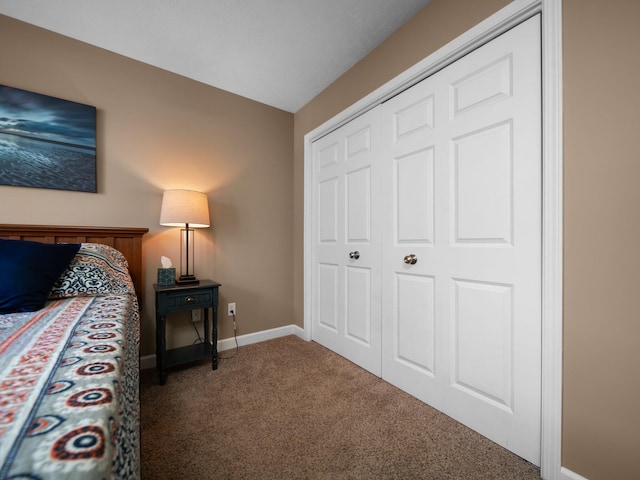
(196, 315)
(231, 309)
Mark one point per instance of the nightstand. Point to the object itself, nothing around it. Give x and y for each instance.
(182, 298)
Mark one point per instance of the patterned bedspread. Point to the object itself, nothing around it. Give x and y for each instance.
(69, 390)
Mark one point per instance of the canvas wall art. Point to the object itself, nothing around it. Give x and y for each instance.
(46, 142)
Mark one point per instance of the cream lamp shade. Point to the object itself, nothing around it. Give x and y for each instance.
(184, 207)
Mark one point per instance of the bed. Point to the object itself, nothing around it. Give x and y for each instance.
(69, 356)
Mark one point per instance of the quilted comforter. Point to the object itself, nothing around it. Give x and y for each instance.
(69, 404)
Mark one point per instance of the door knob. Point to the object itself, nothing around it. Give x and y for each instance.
(354, 255)
(410, 259)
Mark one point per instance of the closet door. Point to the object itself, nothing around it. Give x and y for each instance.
(346, 298)
(461, 247)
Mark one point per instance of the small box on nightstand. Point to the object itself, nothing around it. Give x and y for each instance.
(166, 277)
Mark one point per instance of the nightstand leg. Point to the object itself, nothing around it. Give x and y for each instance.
(161, 348)
(214, 340)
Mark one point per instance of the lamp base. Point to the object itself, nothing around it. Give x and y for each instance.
(187, 280)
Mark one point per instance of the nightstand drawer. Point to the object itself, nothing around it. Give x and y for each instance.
(191, 300)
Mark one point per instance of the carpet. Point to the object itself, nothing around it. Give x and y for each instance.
(291, 409)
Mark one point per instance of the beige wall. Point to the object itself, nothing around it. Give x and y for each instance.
(602, 228)
(158, 131)
(601, 424)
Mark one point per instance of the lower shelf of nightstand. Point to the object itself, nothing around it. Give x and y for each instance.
(190, 353)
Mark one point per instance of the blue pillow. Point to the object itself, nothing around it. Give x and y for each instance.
(28, 270)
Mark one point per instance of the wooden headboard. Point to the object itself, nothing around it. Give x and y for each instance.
(126, 240)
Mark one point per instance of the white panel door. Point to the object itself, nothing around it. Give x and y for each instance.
(346, 299)
(461, 161)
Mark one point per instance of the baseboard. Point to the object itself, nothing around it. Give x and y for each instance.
(149, 361)
(566, 474)
(229, 343)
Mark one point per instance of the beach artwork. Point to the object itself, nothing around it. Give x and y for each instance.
(46, 142)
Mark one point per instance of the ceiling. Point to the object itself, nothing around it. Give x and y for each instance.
(278, 52)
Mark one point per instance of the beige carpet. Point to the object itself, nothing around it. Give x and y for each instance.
(290, 409)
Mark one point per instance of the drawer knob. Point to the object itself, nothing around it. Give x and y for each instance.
(190, 299)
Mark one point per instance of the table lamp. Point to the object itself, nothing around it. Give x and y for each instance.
(186, 209)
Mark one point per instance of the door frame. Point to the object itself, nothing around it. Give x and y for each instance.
(552, 191)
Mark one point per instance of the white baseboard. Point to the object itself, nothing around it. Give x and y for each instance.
(229, 343)
(566, 474)
(149, 361)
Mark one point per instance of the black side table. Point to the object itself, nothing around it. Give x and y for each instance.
(180, 298)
